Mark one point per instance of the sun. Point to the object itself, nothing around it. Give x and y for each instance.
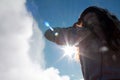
(69, 51)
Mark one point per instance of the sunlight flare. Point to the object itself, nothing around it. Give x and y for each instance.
(70, 52)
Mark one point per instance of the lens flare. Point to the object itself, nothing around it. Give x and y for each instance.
(48, 25)
(56, 33)
(70, 51)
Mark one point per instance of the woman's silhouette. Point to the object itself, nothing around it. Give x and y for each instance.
(97, 35)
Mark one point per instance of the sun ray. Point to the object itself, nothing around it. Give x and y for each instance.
(69, 52)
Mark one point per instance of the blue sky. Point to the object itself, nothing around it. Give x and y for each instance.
(63, 13)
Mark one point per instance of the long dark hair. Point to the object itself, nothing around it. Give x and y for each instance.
(110, 26)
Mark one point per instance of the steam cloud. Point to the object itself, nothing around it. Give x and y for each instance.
(18, 38)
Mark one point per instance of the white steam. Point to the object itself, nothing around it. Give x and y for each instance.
(18, 38)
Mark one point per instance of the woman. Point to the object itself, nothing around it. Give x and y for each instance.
(97, 34)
